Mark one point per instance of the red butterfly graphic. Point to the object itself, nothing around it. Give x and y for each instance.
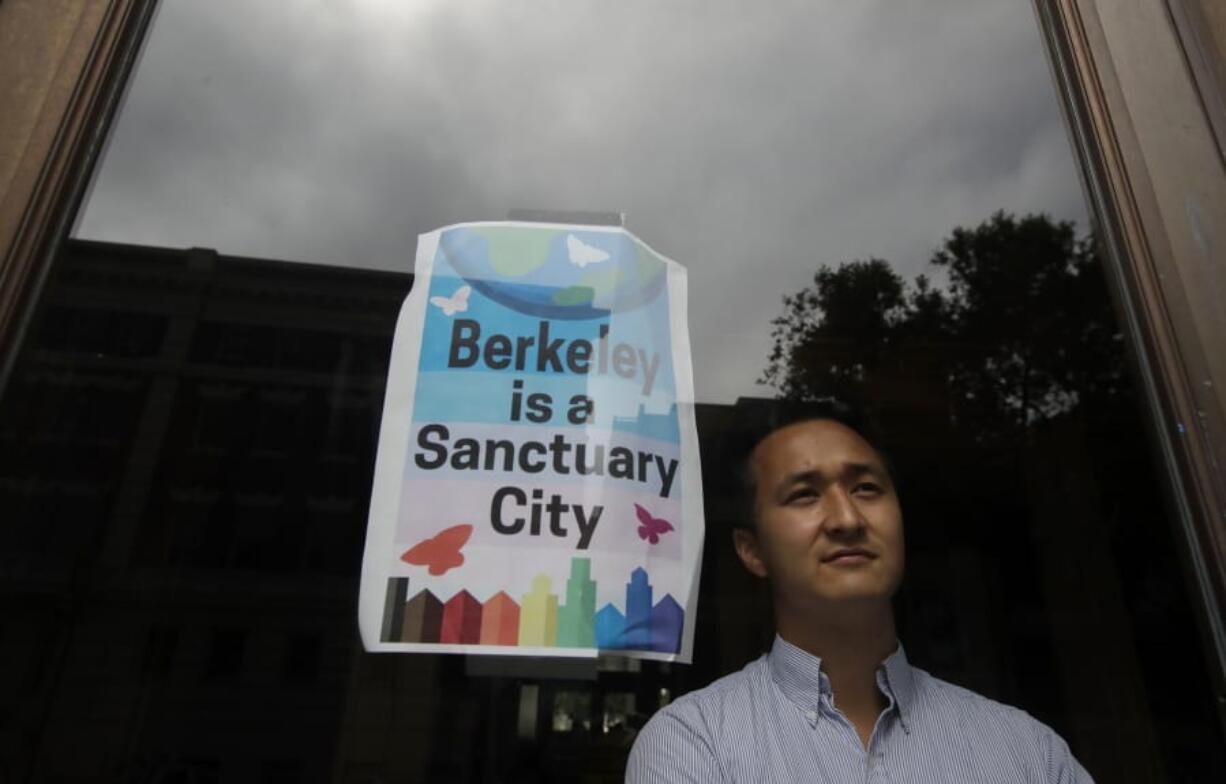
(651, 528)
(441, 551)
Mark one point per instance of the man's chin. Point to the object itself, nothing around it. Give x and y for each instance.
(848, 600)
(854, 586)
(857, 598)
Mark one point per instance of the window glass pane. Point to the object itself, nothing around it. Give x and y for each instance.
(873, 200)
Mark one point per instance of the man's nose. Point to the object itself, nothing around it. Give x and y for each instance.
(842, 514)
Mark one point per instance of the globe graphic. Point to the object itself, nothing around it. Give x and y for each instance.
(555, 273)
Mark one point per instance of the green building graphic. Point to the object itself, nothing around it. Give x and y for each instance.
(576, 618)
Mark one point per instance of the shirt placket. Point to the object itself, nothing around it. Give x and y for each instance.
(877, 772)
(871, 759)
(846, 731)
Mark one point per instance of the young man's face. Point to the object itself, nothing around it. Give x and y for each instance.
(828, 525)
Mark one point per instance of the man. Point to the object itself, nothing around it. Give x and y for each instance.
(835, 699)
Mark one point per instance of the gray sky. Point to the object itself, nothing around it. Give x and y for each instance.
(750, 142)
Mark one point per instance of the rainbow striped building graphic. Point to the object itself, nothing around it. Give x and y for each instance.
(538, 620)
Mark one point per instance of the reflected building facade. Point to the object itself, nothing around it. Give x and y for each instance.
(186, 452)
(188, 445)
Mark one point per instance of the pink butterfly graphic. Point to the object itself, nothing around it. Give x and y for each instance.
(651, 528)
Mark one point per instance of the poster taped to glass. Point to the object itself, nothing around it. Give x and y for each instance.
(537, 489)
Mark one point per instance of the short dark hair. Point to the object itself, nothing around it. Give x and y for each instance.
(757, 418)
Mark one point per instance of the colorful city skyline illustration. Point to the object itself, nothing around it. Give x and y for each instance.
(538, 620)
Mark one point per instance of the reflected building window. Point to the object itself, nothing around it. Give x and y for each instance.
(161, 645)
(227, 650)
(300, 661)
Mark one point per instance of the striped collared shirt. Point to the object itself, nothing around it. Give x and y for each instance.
(776, 721)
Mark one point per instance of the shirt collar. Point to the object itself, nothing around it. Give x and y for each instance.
(798, 674)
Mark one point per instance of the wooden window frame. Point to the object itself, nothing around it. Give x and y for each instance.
(66, 64)
(1140, 91)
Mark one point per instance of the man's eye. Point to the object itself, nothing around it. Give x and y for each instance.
(867, 488)
(801, 495)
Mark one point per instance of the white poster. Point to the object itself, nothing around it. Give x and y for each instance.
(537, 489)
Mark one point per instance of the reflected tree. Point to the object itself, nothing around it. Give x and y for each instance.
(1023, 330)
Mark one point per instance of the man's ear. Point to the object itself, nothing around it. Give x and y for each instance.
(746, 543)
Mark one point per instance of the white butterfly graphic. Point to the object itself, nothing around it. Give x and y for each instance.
(456, 303)
(582, 254)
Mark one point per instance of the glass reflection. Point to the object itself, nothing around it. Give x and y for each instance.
(187, 441)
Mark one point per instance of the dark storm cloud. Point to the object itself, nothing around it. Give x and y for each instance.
(751, 148)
